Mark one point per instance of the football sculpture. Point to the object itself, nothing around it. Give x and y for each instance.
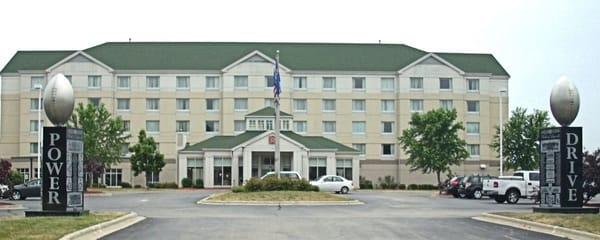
(59, 100)
(564, 101)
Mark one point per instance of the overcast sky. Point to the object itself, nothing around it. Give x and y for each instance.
(536, 41)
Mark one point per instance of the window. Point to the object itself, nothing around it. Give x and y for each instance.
(361, 147)
(261, 124)
(269, 124)
(387, 105)
(329, 105)
(300, 82)
(472, 128)
(152, 82)
(94, 81)
(152, 104)
(182, 104)
(153, 177)
(123, 104)
(94, 101)
(387, 149)
(328, 83)
(387, 127)
(113, 177)
(358, 83)
(240, 104)
(33, 148)
(358, 105)
(343, 167)
(473, 106)
(446, 104)
(123, 82)
(34, 126)
(300, 105)
(252, 124)
(239, 125)
(126, 125)
(387, 84)
(285, 125)
(473, 85)
(152, 126)
(446, 83)
(212, 126)
(269, 102)
(182, 126)
(473, 150)
(212, 104)
(222, 171)
(317, 167)
(416, 83)
(300, 126)
(183, 82)
(358, 127)
(195, 168)
(36, 80)
(328, 126)
(212, 82)
(269, 81)
(416, 105)
(240, 81)
(34, 104)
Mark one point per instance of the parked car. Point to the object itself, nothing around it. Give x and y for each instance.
(31, 188)
(283, 174)
(523, 184)
(453, 185)
(472, 186)
(332, 183)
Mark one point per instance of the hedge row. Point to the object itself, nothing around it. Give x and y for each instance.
(274, 184)
(162, 185)
(388, 182)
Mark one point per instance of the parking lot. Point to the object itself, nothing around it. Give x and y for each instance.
(385, 215)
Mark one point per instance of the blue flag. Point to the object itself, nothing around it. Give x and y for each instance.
(276, 82)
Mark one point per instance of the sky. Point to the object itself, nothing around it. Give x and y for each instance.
(537, 42)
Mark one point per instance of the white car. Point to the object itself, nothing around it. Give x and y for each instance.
(332, 183)
(284, 174)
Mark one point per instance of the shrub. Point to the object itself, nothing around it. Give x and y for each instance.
(238, 189)
(98, 185)
(125, 185)
(137, 186)
(412, 187)
(186, 182)
(388, 183)
(274, 184)
(15, 178)
(365, 184)
(402, 187)
(199, 183)
(163, 185)
(254, 185)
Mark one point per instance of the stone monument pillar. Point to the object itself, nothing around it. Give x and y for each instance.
(561, 155)
(62, 154)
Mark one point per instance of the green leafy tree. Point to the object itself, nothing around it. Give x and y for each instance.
(432, 142)
(591, 166)
(146, 158)
(520, 145)
(103, 139)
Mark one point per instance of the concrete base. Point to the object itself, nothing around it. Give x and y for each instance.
(55, 213)
(572, 210)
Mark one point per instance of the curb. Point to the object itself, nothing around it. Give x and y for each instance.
(105, 228)
(536, 227)
(103, 194)
(13, 207)
(207, 201)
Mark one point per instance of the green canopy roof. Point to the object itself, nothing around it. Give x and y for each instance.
(230, 142)
(218, 55)
(267, 112)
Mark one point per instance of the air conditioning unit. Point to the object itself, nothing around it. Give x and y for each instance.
(181, 140)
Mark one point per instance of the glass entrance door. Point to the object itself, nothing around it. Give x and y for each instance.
(222, 171)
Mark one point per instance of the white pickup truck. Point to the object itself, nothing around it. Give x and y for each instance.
(522, 184)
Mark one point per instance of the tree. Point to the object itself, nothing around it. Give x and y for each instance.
(520, 139)
(146, 158)
(5, 166)
(432, 142)
(103, 137)
(591, 166)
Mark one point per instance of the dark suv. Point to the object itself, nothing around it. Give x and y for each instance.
(472, 186)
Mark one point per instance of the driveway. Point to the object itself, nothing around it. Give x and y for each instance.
(386, 215)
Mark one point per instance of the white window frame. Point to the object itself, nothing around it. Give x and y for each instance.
(392, 149)
(214, 79)
(333, 79)
(267, 79)
(94, 79)
(418, 80)
(300, 83)
(186, 102)
(364, 82)
(446, 100)
(237, 123)
(303, 123)
(364, 105)
(216, 103)
(469, 85)
(216, 126)
(149, 102)
(477, 105)
(325, 128)
(362, 151)
(391, 123)
(185, 79)
(128, 103)
(470, 148)
(383, 109)
(126, 126)
(325, 104)
(149, 82)
(296, 109)
(243, 79)
(393, 87)
(35, 80)
(127, 79)
(450, 85)
(184, 122)
(153, 131)
(419, 102)
(467, 128)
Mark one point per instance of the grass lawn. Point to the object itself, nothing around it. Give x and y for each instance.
(49, 227)
(583, 222)
(279, 196)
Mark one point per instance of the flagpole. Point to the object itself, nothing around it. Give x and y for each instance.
(276, 101)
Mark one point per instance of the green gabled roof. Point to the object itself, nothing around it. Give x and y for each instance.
(218, 55)
(229, 142)
(475, 63)
(318, 142)
(34, 60)
(267, 112)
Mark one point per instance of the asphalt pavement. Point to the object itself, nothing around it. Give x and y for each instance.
(385, 215)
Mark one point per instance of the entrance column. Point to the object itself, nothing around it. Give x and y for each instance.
(247, 155)
(234, 170)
